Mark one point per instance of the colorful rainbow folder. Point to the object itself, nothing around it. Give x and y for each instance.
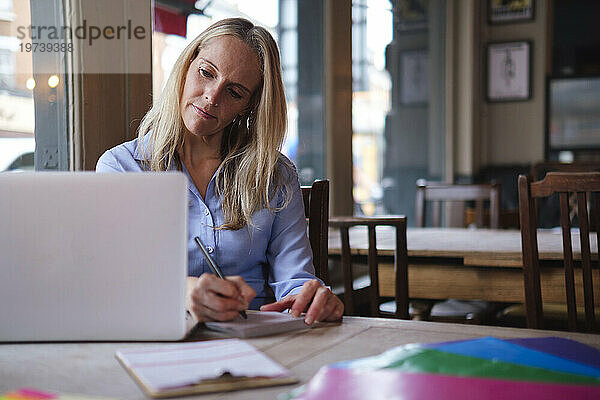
(485, 368)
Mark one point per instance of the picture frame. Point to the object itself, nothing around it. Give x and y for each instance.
(509, 11)
(508, 71)
(412, 15)
(414, 77)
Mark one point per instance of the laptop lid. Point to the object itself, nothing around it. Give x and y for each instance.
(86, 256)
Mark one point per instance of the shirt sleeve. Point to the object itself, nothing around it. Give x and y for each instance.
(289, 253)
(108, 163)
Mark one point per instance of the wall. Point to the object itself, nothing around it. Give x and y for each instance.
(513, 132)
(414, 131)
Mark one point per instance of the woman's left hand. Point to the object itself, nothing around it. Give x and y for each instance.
(325, 305)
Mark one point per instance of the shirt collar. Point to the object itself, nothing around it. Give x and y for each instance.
(148, 145)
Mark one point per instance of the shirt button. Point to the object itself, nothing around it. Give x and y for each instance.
(209, 249)
(190, 203)
(206, 212)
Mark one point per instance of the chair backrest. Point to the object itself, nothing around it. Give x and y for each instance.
(548, 208)
(541, 168)
(585, 186)
(316, 210)
(400, 261)
(437, 192)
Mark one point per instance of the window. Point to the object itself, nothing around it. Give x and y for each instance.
(415, 129)
(302, 58)
(371, 32)
(7, 63)
(17, 113)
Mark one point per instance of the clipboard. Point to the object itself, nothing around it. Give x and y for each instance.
(211, 386)
(193, 368)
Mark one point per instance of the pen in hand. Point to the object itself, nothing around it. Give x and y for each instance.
(213, 265)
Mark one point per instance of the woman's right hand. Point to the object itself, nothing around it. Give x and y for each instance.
(210, 298)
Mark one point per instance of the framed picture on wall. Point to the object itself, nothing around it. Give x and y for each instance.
(502, 11)
(509, 71)
(414, 77)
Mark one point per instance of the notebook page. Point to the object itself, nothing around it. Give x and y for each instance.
(183, 364)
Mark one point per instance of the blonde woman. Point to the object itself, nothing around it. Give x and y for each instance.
(221, 120)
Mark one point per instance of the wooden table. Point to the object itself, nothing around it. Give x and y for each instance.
(91, 368)
(467, 263)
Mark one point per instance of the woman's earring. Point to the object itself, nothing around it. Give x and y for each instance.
(250, 119)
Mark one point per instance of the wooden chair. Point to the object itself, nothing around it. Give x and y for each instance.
(437, 193)
(316, 210)
(548, 208)
(583, 185)
(400, 262)
(541, 168)
(458, 194)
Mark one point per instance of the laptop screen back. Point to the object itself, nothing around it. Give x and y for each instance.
(88, 256)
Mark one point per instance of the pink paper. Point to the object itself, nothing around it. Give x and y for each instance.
(352, 384)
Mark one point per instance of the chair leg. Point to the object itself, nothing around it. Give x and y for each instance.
(421, 310)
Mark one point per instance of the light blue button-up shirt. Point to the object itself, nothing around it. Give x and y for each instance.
(274, 251)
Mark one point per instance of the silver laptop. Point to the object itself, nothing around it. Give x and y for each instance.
(86, 256)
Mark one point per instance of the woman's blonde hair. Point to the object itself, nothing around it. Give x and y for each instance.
(249, 173)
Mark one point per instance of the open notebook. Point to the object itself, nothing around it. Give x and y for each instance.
(201, 367)
(259, 323)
